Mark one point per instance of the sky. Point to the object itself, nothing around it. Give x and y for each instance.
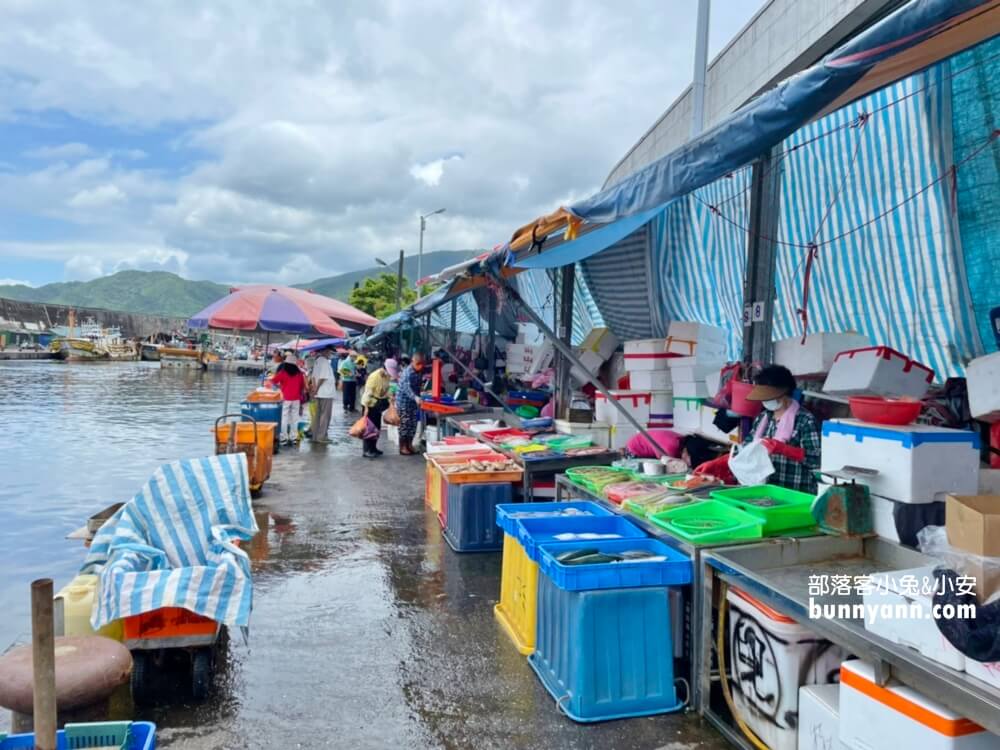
(284, 140)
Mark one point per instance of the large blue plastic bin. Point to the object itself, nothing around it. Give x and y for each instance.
(472, 509)
(674, 571)
(141, 736)
(605, 654)
(263, 411)
(535, 531)
(508, 514)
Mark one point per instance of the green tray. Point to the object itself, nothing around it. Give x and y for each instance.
(578, 476)
(709, 522)
(791, 510)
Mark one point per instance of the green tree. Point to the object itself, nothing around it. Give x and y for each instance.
(376, 295)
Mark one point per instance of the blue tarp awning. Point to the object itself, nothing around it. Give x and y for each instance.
(890, 50)
(574, 251)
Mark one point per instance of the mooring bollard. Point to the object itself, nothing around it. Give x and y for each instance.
(43, 655)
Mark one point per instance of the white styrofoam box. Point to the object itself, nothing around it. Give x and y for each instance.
(874, 717)
(983, 379)
(713, 381)
(816, 355)
(915, 463)
(898, 591)
(878, 370)
(709, 430)
(544, 355)
(599, 432)
(661, 402)
(650, 380)
(637, 403)
(616, 368)
(432, 433)
(646, 354)
(689, 372)
(989, 482)
(698, 332)
(819, 717)
(772, 657)
(703, 351)
(687, 415)
(591, 361)
(528, 333)
(600, 341)
(691, 389)
(884, 519)
(392, 433)
(620, 435)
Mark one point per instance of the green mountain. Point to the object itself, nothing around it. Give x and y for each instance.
(340, 286)
(154, 292)
(163, 293)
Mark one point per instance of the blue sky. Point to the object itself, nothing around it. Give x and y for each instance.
(283, 142)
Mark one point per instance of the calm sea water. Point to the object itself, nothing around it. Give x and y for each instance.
(73, 439)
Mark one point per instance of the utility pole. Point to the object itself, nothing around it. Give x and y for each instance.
(399, 283)
(420, 252)
(700, 69)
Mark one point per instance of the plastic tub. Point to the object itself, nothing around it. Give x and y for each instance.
(584, 476)
(517, 609)
(470, 525)
(140, 735)
(605, 654)
(791, 509)
(740, 404)
(645, 506)
(536, 531)
(509, 515)
(675, 570)
(878, 410)
(709, 521)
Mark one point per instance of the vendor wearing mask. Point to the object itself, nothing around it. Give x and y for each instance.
(789, 432)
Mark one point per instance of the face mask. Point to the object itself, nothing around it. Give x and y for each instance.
(773, 404)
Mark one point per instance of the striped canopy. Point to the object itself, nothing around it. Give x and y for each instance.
(334, 308)
(270, 309)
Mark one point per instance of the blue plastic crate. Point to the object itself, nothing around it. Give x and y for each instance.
(535, 531)
(674, 571)
(262, 411)
(141, 736)
(471, 523)
(605, 654)
(507, 520)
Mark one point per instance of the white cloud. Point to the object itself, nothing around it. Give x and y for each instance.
(304, 138)
(66, 151)
(15, 282)
(98, 197)
(431, 173)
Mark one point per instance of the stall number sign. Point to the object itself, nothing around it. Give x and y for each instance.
(753, 314)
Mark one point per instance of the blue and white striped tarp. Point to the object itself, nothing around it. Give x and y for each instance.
(172, 545)
(537, 290)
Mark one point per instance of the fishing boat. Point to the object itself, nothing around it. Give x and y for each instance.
(72, 349)
(92, 343)
(177, 354)
(150, 352)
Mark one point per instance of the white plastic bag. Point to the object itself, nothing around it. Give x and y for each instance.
(751, 464)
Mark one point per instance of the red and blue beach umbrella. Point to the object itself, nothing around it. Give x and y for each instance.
(268, 309)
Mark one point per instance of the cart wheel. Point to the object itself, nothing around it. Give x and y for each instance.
(201, 673)
(140, 677)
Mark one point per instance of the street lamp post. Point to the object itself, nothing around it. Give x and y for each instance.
(420, 252)
(399, 280)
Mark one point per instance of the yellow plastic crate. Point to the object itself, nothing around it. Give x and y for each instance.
(433, 487)
(517, 608)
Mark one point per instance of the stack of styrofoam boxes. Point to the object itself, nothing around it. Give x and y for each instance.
(914, 464)
(816, 355)
(646, 361)
(637, 403)
(530, 353)
(595, 350)
(702, 350)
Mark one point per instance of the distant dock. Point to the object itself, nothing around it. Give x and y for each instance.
(254, 367)
(16, 355)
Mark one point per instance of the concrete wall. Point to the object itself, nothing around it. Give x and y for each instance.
(784, 37)
(133, 325)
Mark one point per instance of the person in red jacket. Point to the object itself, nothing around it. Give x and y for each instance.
(292, 383)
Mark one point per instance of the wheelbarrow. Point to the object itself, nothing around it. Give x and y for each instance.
(246, 435)
(162, 635)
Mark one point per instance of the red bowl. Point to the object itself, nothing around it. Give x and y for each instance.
(878, 410)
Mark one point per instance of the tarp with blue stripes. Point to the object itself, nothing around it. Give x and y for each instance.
(172, 545)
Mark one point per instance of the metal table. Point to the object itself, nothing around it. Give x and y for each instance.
(778, 575)
(566, 489)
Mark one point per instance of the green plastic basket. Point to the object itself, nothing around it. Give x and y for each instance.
(582, 475)
(709, 522)
(789, 509)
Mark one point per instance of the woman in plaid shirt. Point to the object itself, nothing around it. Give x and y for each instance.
(789, 432)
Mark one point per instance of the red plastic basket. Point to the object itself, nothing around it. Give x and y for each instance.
(878, 410)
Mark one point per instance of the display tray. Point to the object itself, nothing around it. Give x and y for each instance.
(778, 573)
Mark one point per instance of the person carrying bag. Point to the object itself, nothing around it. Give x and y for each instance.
(376, 404)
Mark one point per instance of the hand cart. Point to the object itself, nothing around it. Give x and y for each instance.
(246, 435)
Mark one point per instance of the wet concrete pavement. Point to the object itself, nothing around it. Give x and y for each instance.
(369, 632)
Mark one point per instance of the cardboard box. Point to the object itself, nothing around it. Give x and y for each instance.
(973, 523)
